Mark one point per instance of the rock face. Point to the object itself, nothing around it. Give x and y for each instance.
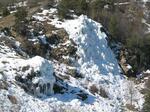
(36, 76)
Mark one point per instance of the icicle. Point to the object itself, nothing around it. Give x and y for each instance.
(37, 91)
(44, 88)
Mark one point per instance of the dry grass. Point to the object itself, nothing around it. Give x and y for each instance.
(7, 21)
(147, 84)
(12, 99)
(131, 107)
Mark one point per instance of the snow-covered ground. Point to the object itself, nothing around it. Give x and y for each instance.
(96, 62)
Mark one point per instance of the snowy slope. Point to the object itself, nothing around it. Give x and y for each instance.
(10, 66)
(96, 62)
(95, 55)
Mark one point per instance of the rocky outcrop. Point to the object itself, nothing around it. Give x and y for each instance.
(36, 76)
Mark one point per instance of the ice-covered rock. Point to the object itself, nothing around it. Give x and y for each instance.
(36, 75)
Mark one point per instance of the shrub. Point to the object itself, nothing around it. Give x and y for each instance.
(94, 89)
(138, 53)
(5, 12)
(131, 107)
(58, 89)
(96, 9)
(21, 14)
(65, 7)
(101, 91)
(82, 96)
(74, 73)
(20, 21)
(72, 50)
(32, 3)
(12, 99)
(54, 39)
(6, 2)
(113, 28)
(82, 7)
(6, 31)
(3, 85)
(146, 106)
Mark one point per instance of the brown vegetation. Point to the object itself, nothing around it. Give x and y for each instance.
(101, 91)
(12, 99)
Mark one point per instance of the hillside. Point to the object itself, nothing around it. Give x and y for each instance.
(54, 64)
